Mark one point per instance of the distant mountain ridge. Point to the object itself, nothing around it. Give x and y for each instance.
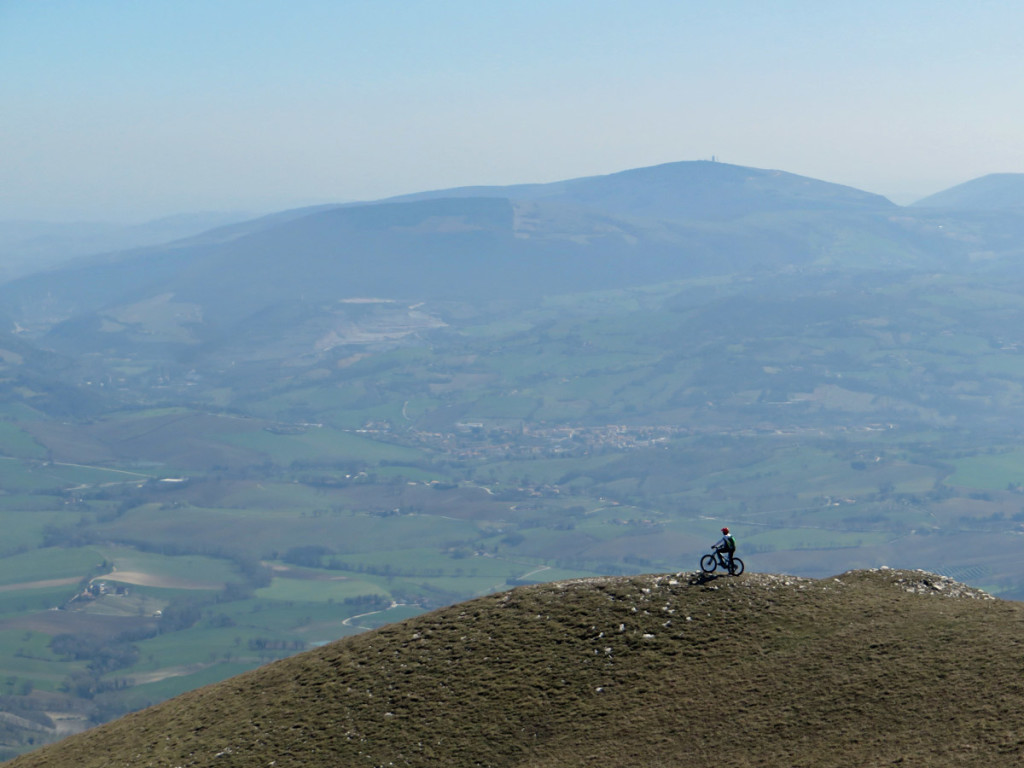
(995, 191)
(283, 285)
(867, 668)
(668, 222)
(683, 191)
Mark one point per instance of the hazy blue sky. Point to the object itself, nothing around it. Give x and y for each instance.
(131, 109)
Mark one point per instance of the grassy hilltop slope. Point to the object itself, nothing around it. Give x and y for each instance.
(867, 668)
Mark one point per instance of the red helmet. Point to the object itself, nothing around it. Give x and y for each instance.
(725, 530)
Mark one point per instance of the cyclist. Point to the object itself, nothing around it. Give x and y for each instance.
(727, 546)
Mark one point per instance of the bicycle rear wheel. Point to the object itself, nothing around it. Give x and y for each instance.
(737, 567)
(707, 563)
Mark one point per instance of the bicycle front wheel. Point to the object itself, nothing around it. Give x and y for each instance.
(707, 563)
(737, 567)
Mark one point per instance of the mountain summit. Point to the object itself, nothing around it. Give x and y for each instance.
(867, 668)
(684, 191)
(636, 227)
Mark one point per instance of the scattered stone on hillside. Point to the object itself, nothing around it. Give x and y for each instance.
(646, 588)
(922, 582)
(776, 580)
(769, 580)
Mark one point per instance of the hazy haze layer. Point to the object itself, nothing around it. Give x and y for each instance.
(130, 111)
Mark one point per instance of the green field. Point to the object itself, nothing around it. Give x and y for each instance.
(308, 591)
(15, 442)
(990, 472)
(51, 563)
(181, 572)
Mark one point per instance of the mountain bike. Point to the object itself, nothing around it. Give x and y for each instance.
(709, 563)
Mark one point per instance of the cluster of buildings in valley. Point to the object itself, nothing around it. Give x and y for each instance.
(477, 440)
(92, 591)
(506, 438)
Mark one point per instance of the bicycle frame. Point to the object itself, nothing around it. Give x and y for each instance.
(715, 559)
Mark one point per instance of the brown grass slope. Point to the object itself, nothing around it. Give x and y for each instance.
(870, 668)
